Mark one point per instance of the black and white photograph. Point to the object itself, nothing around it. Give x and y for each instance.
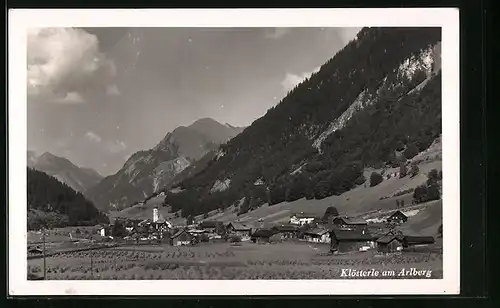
(234, 152)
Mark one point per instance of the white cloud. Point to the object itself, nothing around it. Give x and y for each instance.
(62, 61)
(116, 146)
(112, 90)
(70, 98)
(291, 80)
(276, 33)
(93, 137)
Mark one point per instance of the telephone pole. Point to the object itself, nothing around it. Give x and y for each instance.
(44, 258)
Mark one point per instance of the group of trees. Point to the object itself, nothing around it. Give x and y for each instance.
(55, 204)
(281, 140)
(430, 189)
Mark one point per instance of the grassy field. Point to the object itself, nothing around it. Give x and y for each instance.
(287, 260)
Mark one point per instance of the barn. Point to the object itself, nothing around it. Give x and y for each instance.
(350, 240)
(317, 235)
(397, 217)
(286, 231)
(264, 236)
(390, 243)
(210, 225)
(349, 223)
(240, 229)
(181, 238)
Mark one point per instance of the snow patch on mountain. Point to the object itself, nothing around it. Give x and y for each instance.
(221, 185)
(219, 154)
(176, 190)
(364, 99)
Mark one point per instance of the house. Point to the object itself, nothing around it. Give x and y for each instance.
(397, 218)
(35, 250)
(263, 236)
(390, 243)
(182, 238)
(349, 223)
(343, 240)
(302, 218)
(317, 235)
(240, 229)
(412, 240)
(210, 225)
(287, 231)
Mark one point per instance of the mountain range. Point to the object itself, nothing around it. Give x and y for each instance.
(376, 103)
(78, 178)
(145, 172)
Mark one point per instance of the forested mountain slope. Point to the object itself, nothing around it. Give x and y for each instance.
(55, 204)
(377, 101)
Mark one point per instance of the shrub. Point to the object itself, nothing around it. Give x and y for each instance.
(432, 177)
(234, 239)
(411, 151)
(375, 179)
(414, 170)
(360, 180)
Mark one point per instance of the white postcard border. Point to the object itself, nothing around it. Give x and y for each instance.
(20, 20)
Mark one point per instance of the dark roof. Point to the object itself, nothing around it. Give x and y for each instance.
(316, 231)
(304, 215)
(263, 233)
(179, 233)
(350, 235)
(398, 212)
(415, 240)
(286, 228)
(351, 221)
(386, 239)
(238, 226)
(35, 250)
(209, 224)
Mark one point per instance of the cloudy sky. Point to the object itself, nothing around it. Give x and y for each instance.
(97, 95)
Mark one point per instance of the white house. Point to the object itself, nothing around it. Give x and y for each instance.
(302, 218)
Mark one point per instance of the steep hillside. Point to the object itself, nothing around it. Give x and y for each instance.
(145, 172)
(376, 102)
(55, 204)
(78, 178)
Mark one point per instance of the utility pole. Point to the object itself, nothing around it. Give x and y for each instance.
(91, 265)
(44, 258)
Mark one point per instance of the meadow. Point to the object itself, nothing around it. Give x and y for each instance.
(286, 260)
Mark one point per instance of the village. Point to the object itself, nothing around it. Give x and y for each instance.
(343, 234)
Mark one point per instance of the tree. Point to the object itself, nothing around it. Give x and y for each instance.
(118, 229)
(411, 151)
(420, 193)
(397, 203)
(330, 212)
(414, 170)
(432, 177)
(402, 170)
(189, 220)
(433, 192)
(375, 179)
